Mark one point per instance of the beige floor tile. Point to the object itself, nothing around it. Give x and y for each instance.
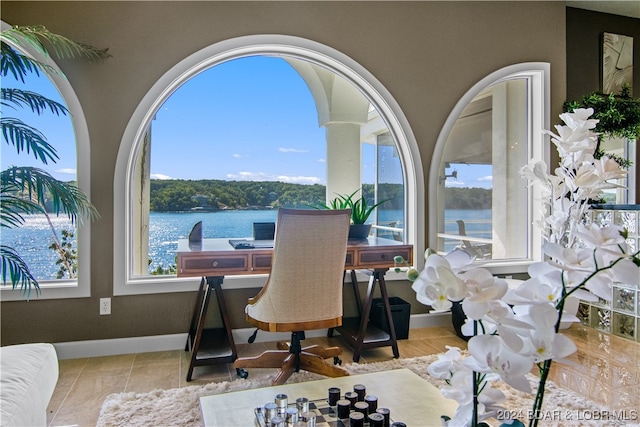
(151, 377)
(83, 402)
(110, 365)
(165, 358)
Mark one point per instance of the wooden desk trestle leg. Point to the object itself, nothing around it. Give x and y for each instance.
(358, 332)
(209, 345)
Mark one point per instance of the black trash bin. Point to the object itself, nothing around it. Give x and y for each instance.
(400, 313)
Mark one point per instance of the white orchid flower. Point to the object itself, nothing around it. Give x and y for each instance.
(551, 346)
(544, 286)
(579, 118)
(446, 364)
(488, 354)
(482, 288)
(570, 258)
(626, 271)
(608, 239)
(437, 285)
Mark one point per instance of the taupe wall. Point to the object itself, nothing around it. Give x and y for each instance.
(427, 54)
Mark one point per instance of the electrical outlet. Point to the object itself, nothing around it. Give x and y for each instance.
(105, 306)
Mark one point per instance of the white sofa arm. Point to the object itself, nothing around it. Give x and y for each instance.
(28, 376)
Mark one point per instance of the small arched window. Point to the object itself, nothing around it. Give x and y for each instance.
(483, 205)
(69, 135)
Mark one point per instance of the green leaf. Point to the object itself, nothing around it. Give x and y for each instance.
(36, 102)
(36, 185)
(13, 267)
(37, 35)
(27, 138)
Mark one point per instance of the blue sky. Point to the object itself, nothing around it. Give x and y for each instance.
(247, 119)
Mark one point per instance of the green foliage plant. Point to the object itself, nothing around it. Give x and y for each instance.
(24, 190)
(618, 115)
(360, 208)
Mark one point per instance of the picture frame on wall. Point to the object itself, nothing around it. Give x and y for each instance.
(617, 62)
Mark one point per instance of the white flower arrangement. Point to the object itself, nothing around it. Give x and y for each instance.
(514, 329)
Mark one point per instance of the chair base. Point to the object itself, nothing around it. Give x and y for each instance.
(310, 359)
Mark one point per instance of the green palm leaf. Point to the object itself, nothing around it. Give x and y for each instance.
(13, 206)
(19, 274)
(37, 103)
(27, 138)
(36, 184)
(61, 46)
(18, 64)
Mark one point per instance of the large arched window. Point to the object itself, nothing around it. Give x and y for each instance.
(69, 135)
(483, 205)
(361, 128)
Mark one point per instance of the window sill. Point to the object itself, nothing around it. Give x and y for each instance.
(54, 289)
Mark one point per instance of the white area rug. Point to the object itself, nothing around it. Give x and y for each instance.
(180, 406)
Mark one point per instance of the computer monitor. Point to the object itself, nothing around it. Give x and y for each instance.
(264, 230)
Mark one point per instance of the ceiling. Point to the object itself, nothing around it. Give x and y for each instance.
(630, 8)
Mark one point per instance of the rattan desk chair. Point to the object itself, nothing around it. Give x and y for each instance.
(303, 291)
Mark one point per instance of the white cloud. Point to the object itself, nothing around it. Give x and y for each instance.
(455, 184)
(239, 156)
(67, 171)
(486, 178)
(322, 160)
(292, 150)
(261, 176)
(159, 176)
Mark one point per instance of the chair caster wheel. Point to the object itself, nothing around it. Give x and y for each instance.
(242, 373)
(337, 360)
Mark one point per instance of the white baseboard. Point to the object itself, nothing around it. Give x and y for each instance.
(112, 347)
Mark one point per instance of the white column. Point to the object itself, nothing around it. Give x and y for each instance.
(141, 208)
(342, 109)
(344, 167)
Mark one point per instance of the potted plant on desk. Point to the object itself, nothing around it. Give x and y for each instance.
(360, 212)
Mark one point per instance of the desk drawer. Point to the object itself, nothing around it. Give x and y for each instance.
(212, 265)
(261, 263)
(383, 256)
(349, 260)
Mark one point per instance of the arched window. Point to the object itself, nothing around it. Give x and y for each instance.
(361, 126)
(69, 135)
(483, 205)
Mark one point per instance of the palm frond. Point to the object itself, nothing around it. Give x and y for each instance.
(13, 207)
(16, 63)
(13, 266)
(36, 102)
(61, 46)
(27, 138)
(65, 197)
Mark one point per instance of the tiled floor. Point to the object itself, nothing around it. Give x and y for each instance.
(608, 371)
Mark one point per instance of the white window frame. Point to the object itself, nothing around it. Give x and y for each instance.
(538, 74)
(275, 45)
(80, 287)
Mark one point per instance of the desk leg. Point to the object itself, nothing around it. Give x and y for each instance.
(210, 346)
(195, 316)
(360, 344)
(216, 284)
(387, 308)
(197, 338)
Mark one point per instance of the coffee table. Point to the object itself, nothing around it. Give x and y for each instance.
(409, 398)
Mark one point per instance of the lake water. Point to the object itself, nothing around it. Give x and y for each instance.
(166, 228)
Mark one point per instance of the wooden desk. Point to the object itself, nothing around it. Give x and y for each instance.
(215, 258)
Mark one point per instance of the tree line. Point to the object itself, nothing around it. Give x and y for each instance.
(186, 195)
